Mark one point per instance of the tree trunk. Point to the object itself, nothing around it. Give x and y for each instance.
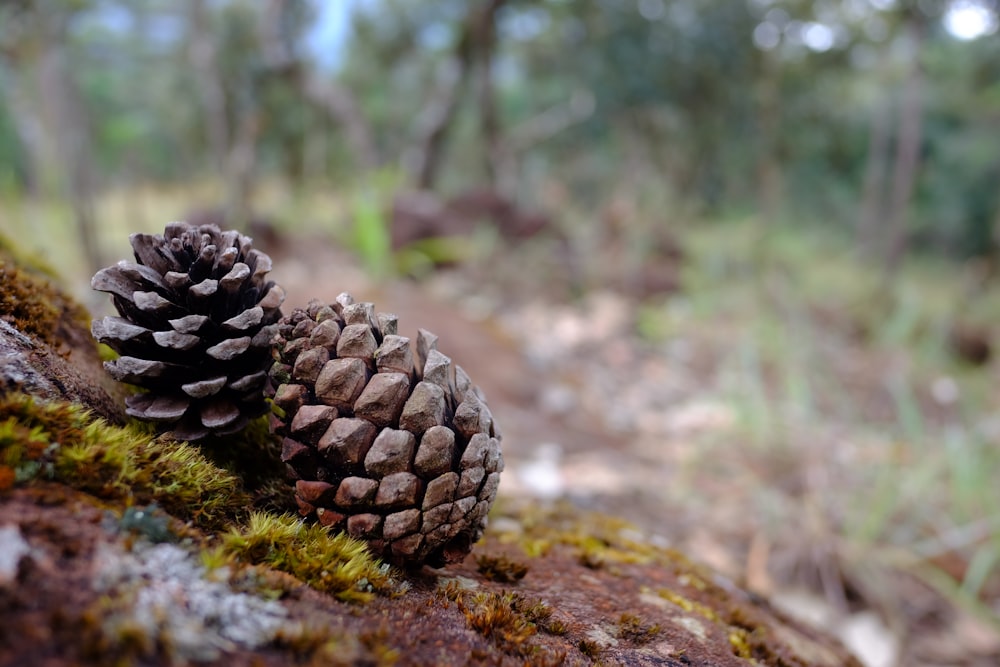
(241, 163)
(770, 185)
(202, 52)
(907, 160)
(65, 120)
(488, 117)
(867, 236)
(436, 121)
(337, 102)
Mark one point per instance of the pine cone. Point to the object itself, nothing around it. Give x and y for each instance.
(395, 446)
(197, 319)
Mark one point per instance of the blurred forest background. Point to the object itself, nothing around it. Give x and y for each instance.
(761, 236)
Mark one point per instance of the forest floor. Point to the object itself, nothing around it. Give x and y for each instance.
(779, 414)
(789, 450)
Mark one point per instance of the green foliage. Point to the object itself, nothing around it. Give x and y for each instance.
(370, 234)
(335, 564)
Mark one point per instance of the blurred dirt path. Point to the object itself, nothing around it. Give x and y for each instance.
(315, 269)
(590, 414)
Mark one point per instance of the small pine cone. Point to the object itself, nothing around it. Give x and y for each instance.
(197, 319)
(394, 445)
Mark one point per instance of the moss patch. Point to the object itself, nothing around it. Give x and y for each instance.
(34, 306)
(332, 563)
(502, 618)
(500, 568)
(63, 442)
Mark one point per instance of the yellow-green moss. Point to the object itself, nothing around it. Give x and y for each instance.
(34, 306)
(315, 643)
(599, 539)
(511, 622)
(333, 563)
(589, 648)
(635, 629)
(738, 639)
(33, 262)
(66, 443)
(689, 606)
(493, 615)
(500, 568)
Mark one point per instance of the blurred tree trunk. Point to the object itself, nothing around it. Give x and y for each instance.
(68, 153)
(499, 168)
(770, 185)
(336, 101)
(867, 235)
(202, 51)
(907, 159)
(28, 127)
(49, 115)
(475, 43)
(341, 106)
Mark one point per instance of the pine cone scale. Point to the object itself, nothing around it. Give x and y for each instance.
(195, 326)
(398, 431)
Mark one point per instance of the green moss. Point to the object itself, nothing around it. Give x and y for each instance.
(598, 539)
(335, 564)
(689, 606)
(539, 613)
(33, 262)
(123, 464)
(511, 622)
(254, 455)
(589, 648)
(494, 616)
(315, 643)
(633, 628)
(34, 306)
(500, 568)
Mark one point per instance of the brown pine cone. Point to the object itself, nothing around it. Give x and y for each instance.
(394, 445)
(197, 319)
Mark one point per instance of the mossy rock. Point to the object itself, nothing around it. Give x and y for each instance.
(121, 547)
(45, 344)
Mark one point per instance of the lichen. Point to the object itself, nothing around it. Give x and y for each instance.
(158, 598)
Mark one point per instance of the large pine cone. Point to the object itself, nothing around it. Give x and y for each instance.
(197, 319)
(394, 446)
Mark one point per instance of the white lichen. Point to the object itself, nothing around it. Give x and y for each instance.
(163, 591)
(13, 548)
(603, 636)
